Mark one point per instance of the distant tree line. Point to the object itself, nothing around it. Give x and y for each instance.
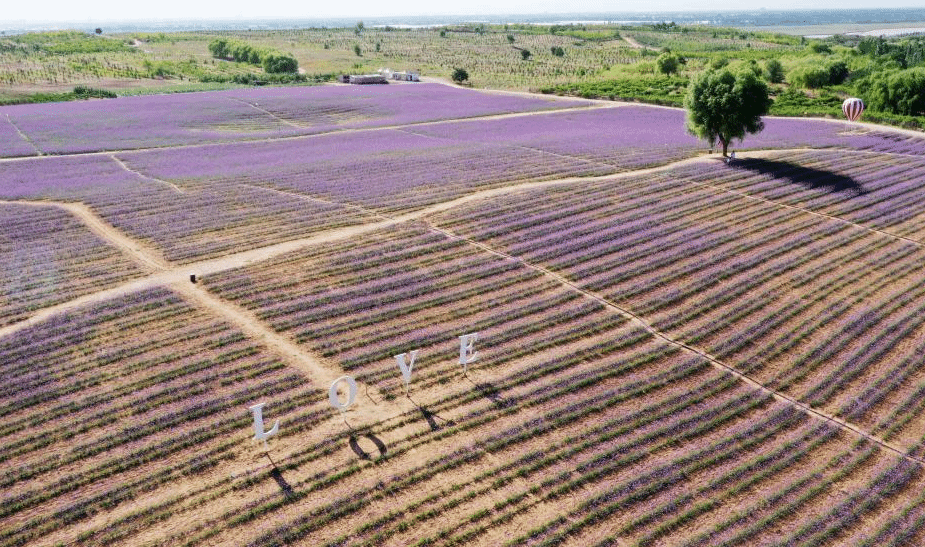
(273, 62)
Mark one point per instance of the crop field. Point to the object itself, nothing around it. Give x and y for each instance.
(665, 349)
(197, 118)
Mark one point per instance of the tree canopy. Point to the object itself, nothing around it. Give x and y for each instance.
(722, 106)
(900, 91)
(667, 63)
(460, 75)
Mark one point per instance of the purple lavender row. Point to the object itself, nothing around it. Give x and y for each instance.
(550, 226)
(185, 226)
(767, 270)
(863, 324)
(365, 106)
(549, 222)
(12, 143)
(900, 321)
(383, 169)
(886, 191)
(757, 322)
(223, 116)
(632, 134)
(143, 393)
(50, 257)
(849, 512)
(656, 131)
(682, 260)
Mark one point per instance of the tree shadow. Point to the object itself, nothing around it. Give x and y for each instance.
(358, 450)
(807, 177)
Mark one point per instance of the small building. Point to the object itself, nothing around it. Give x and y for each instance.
(408, 76)
(362, 79)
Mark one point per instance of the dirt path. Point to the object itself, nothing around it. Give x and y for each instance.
(138, 251)
(321, 373)
(124, 166)
(632, 41)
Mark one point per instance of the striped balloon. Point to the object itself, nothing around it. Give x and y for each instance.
(852, 108)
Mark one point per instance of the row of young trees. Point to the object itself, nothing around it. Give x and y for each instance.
(273, 62)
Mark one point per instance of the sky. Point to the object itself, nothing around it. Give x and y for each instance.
(120, 10)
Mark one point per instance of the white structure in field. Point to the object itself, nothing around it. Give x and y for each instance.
(368, 79)
(259, 433)
(407, 76)
(351, 393)
(467, 355)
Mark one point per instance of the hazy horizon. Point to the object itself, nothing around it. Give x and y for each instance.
(172, 10)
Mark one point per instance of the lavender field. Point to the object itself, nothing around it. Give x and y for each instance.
(249, 114)
(671, 350)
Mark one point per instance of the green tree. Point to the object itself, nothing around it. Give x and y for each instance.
(510, 38)
(356, 49)
(818, 47)
(667, 64)
(722, 106)
(525, 54)
(276, 63)
(218, 48)
(460, 75)
(900, 92)
(557, 51)
(774, 71)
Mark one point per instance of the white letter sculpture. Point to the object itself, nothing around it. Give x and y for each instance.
(351, 395)
(467, 353)
(406, 369)
(259, 433)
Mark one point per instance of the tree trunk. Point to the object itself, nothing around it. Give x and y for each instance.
(725, 146)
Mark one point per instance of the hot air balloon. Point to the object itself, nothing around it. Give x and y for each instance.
(852, 108)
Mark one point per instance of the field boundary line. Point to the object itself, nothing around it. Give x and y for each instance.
(267, 112)
(716, 362)
(316, 199)
(24, 137)
(125, 166)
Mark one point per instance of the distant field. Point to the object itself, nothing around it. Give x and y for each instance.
(671, 350)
